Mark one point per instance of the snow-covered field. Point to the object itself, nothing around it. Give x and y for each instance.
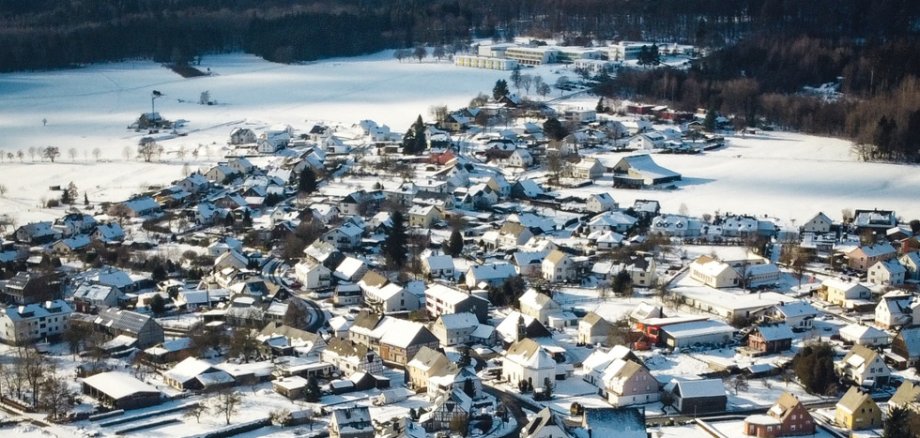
(787, 175)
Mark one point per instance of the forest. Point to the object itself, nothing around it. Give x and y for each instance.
(761, 52)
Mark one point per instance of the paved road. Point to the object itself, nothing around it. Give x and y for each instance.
(317, 316)
(513, 404)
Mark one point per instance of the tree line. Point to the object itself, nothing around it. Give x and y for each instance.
(760, 81)
(49, 34)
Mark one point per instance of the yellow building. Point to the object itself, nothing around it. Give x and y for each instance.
(856, 410)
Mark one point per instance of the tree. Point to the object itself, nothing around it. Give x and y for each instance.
(898, 423)
(622, 283)
(126, 153)
(553, 129)
(149, 148)
(196, 411)
(399, 54)
(243, 343)
(814, 367)
(516, 79)
(157, 303)
(543, 89)
(56, 398)
(296, 315)
(20, 154)
(394, 245)
(547, 388)
(420, 53)
(599, 108)
(739, 383)
(554, 164)
(915, 227)
(226, 403)
(51, 152)
(65, 197)
(306, 184)
(76, 335)
(32, 152)
(313, 393)
(415, 141)
(709, 123)
(526, 82)
(455, 243)
(72, 153)
(97, 153)
(460, 423)
(2, 190)
(563, 84)
(500, 89)
(649, 55)
(72, 192)
(438, 52)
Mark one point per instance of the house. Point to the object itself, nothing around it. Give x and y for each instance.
(402, 339)
(545, 424)
(905, 348)
(911, 262)
(887, 273)
(896, 309)
(516, 327)
(798, 315)
(639, 171)
(489, 275)
(520, 158)
(628, 382)
(194, 374)
(593, 329)
(347, 295)
(32, 287)
(444, 300)
(648, 140)
(863, 257)
(770, 338)
(863, 366)
(88, 298)
(391, 298)
(346, 236)
(36, 233)
(353, 422)
(698, 397)
(876, 220)
(116, 322)
(71, 245)
(455, 378)
(526, 188)
(350, 269)
(168, 352)
(426, 364)
(141, 206)
(612, 221)
(526, 361)
(748, 272)
(119, 390)
(587, 168)
(819, 224)
(863, 335)
(787, 417)
(240, 165)
(856, 411)
(109, 233)
(455, 328)
(194, 183)
(23, 325)
(844, 293)
(600, 202)
(312, 274)
(242, 136)
(908, 397)
(350, 358)
(75, 223)
(439, 266)
(292, 387)
(538, 305)
(642, 271)
(676, 226)
(422, 216)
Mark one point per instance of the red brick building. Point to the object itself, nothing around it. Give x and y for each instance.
(788, 417)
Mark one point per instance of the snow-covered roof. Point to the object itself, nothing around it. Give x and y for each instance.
(774, 332)
(459, 320)
(701, 388)
(118, 385)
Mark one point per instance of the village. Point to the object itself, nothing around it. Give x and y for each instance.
(471, 276)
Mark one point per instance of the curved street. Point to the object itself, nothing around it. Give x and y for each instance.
(270, 271)
(514, 405)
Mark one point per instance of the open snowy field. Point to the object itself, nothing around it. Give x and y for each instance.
(786, 175)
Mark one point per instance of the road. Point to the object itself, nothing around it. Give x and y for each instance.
(270, 271)
(513, 404)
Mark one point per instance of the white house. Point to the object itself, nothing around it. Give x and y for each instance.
(612, 221)
(526, 361)
(25, 324)
(751, 272)
(312, 274)
(538, 305)
(896, 309)
(648, 140)
(587, 168)
(863, 365)
(864, 335)
(391, 298)
(887, 273)
(911, 263)
(600, 202)
(439, 266)
(818, 224)
(520, 158)
(455, 328)
(558, 267)
(492, 274)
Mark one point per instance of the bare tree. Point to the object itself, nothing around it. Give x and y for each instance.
(20, 155)
(739, 383)
(2, 190)
(72, 153)
(51, 152)
(149, 148)
(97, 153)
(420, 53)
(126, 153)
(182, 152)
(56, 397)
(526, 82)
(196, 411)
(32, 152)
(226, 403)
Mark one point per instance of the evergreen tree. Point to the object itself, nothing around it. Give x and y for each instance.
(455, 244)
(500, 89)
(65, 197)
(313, 393)
(307, 182)
(469, 388)
(516, 77)
(394, 245)
(600, 105)
(415, 140)
(85, 199)
(553, 129)
(157, 304)
(897, 425)
(709, 123)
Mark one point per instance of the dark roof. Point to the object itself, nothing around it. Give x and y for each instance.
(123, 320)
